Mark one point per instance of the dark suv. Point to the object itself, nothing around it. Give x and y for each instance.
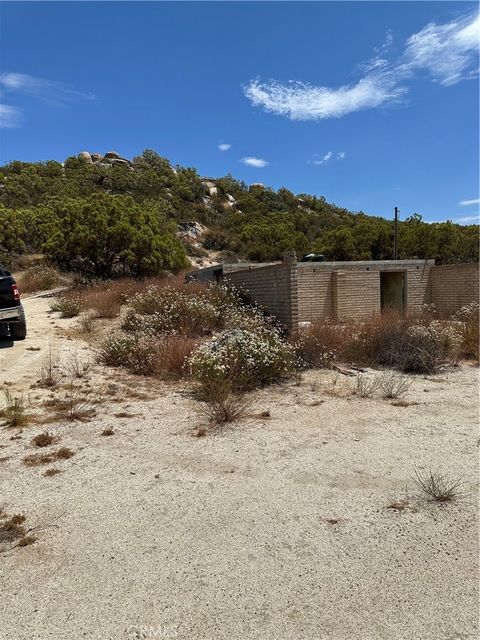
(12, 315)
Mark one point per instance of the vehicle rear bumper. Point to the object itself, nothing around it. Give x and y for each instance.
(13, 314)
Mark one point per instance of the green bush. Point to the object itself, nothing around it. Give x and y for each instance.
(245, 359)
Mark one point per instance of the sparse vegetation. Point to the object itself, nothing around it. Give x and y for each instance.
(365, 386)
(12, 529)
(40, 277)
(15, 412)
(49, 370)
(393, 385)
(37, 459)
(44, 439)
(438, 485)
(222, 404)
(75, 403)
(69, 304)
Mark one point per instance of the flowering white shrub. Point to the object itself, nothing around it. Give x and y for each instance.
(247, 359)
(170, 310)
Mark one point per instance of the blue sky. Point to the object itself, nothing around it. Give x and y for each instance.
(370, 104)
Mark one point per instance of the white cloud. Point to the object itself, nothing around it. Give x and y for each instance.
(448, 52)
(341, 155)
(251, 161)
(468, 219)
(9, 116)
(224, 147)
(465, 203)
(325, 158)
(302, 101)
(48, 90)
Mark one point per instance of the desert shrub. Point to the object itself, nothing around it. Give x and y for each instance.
(416, 344)
(163, 356)
(171, 310)
(320, 344)
(245, 359)
(69, 304)
(468, 324)
(365, 386)
(222, 404)
(40, 277)
(392, 385)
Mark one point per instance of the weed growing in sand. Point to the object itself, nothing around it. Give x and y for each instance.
(37, 459)
(86, 323)
(393, 385)
(76, 366)
(48, 372)
(15, 413)
(222, 403)
(44, 439)
(365, 386)
(68, 305)
(77, 403)
(12, 529)
(438, 485)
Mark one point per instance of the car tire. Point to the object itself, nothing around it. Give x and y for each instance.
(18, 331)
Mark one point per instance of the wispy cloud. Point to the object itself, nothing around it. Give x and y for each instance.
(468, 219)
(339, 155)
(466, 203)
(448, 53)
(325, 158)
(10, 117)
(251, 161)
(224, 146)
(48, 90)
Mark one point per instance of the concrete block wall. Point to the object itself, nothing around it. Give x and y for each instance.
(273, 287)
(453, 286)
(357, 294)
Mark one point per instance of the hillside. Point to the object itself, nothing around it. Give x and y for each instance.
(107, 214)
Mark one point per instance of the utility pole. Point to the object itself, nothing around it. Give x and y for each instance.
(395, 235)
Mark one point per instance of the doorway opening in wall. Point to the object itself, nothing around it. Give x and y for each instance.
(393, 285)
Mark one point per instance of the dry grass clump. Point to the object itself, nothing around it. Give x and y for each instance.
(41, 277)
(393, 385)
(76, 403)
(163, 356)
(37, 459)
(365, 387)
(49, 370)
(44, 439)
(222, 404)
(469, 322)
(438, 485)
(417, 344)
(12, 529)
(319, 344)
(51, 472)
(15, 412)
(76, 366)
(86, 322)
(69, 304)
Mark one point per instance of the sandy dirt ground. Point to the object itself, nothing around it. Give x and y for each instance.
(277, 528)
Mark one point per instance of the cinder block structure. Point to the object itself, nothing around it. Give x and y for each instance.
(297, 292)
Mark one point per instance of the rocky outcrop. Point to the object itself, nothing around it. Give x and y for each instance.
(193, 230)
(109, 159)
